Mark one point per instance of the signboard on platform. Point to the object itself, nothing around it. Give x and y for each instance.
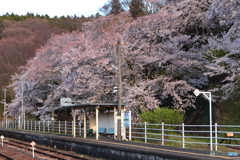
(127, 118)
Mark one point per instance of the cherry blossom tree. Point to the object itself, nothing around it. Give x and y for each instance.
(165, 57)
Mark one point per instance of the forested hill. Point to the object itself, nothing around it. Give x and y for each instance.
(20, 36)
(165, 57)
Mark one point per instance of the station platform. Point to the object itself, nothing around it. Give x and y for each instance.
(108, 148)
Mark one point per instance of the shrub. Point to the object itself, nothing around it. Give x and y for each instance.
(166, 115)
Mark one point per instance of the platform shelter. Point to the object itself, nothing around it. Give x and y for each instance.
(102, 117)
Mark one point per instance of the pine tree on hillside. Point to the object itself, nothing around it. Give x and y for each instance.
(137, 8)
(116, 7)
(112, 7)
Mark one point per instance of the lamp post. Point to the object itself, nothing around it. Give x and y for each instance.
(209, 97)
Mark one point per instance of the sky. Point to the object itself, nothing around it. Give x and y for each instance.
(52, 7)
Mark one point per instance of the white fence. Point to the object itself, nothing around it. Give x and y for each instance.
(61, 127)
(187, 134)
(164, 134)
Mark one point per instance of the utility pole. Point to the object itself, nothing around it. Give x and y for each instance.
(119, 90)
(52, 76)
(23, 112)
(4, 110)
(52, 119)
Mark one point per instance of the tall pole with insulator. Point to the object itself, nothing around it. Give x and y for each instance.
(119, 90)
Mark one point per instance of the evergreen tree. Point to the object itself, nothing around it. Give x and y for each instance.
(97, 15)
(116, 7)
(137, 8)
(112, 7)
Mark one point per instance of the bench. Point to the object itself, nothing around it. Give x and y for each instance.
(90, 132)
(101, 130)
(229, 136)
(110, 131)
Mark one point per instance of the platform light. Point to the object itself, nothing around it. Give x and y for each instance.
(209, 97)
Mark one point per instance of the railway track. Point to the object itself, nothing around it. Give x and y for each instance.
(17, 150)
(5, 157)
(8, 153)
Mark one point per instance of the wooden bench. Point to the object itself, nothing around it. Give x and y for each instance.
(228, 141)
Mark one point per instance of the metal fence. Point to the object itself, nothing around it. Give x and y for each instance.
(182, 135)
(186, 136)
(61, 127)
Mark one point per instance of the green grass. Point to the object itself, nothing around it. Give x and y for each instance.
(229, 112)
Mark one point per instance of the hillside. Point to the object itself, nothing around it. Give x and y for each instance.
(21, 36)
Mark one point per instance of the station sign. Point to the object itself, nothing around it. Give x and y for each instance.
(127, 118)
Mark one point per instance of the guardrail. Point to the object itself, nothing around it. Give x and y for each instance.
(179, 135)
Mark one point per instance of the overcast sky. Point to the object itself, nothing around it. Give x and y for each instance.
(52, 7)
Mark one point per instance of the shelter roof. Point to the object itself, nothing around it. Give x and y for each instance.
(94, 105)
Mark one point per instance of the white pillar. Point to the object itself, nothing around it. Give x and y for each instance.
(85, 123)
(123, 128)
(162, 133)
(115, 123)
(145, 129)
(130, 126)
(210, 112)
(97, 123)
(74, 123)
(183, 135)
(216, 147)
(65, 127)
